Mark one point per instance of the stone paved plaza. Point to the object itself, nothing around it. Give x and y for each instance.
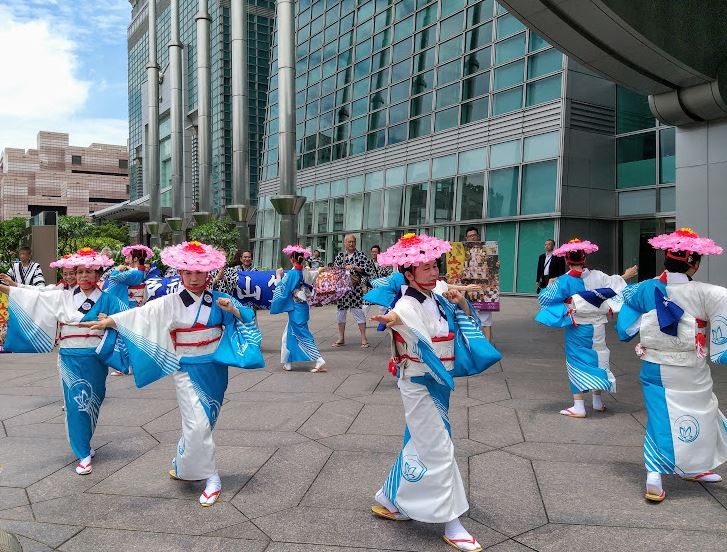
(302, 454)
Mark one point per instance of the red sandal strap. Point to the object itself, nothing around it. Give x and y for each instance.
(214, 493)
(468, 541)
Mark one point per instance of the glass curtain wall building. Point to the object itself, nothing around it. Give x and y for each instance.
(260, 18)
(424, 115)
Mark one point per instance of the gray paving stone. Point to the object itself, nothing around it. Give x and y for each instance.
(106, 540)
(359, 384)
(242, 380)
(364, 443)
(19, 513)
(265, 416)
(18, 457)
(12, 497)
(247, 530)
(488, 388)
(323, 526)
(589, 454)
(494, 425)
(184, 517)
(11, 406)
(147, 475)
(504, 493)
(523, 387)
(133, 412)
(47, 533)
(30, 545)
(289, 547)
(300, 382)
(282, 481)
(332, 418)
(613, 495)
(556, 538)
(38, 415)
(509, 546)
(235, 438)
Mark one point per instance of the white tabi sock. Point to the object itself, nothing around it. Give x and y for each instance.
(287, 367)
(382, 499)
(706, 477)
(653, 483)
(455, 531)
(320, 362)
(214, 485)
(597, 402)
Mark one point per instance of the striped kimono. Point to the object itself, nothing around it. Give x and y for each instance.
(37, 319)
(677, 320)
(181, 334)
(424, 482)
(298, 344)
(130, 285)
(580, 303)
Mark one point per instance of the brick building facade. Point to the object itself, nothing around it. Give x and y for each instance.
(58, 177)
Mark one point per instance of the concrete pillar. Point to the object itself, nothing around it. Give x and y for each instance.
(177, 127)
(151, 163)
(204, 144)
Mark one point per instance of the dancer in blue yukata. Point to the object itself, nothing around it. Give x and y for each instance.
(436, 336)
(580, 301)
(194, 334)
(291, 296)
(35, 316)
(676, 317)
(127, 281)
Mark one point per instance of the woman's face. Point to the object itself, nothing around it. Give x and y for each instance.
(194, 280)
(69, 276)
(86, 278)
(424, 276)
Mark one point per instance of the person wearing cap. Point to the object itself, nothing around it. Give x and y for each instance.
(194, 334)
(680, 323)
(127, 281)
(579, 301)
(435, 337)
(291, 296)
(34, 321)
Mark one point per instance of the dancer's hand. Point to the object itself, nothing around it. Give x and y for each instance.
(104, 324)
(631, 272)
(228, 306)
(390, 319)
(7, 280)
(102, 316)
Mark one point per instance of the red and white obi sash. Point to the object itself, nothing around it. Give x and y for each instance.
(136, 294)
(410, 365)
(71, 336)
(199, 340)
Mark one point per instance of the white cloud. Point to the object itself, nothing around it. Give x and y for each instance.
(40, 89)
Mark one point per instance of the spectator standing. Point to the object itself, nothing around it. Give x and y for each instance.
(315, 261)
(360, 267)
(381, 271)
(549, 266)
(25, 270)
(472, 234)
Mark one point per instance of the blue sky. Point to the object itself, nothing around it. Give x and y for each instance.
(64, 70)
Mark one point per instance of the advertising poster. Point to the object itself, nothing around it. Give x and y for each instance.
(3, 318)
(476, 263)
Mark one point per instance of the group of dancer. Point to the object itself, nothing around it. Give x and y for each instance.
(194, 334)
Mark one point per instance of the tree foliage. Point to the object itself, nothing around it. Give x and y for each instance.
(222, 233)
(77, 232)
(112, 230)
(11, 232)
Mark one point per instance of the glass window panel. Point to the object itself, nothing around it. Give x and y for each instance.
(379, 79)
(375, 140)
(541, 146)
(354, 212)
(416, 204)
(338, 187)
(451, 6)
(473, 160)
(477, 61)
(667, 165)
(636, 160)
(510, 49)
(450, 49)
(340, 150)
(359, 107)
(444, 166)
(355, 184)
(442, 204)
(323, 190)
(544, 63)
(374, 180)
(507, 75)
(404, 8)
(536, 42)
(358, 145)
(481, 11)
(538, 188)
(404, 28)
(472, 195)
(420, 127)
(449, 95)
(425, 39)
(638, 202)
(365, 11)
(399, 91)
(377, 120)
(667, 199)
(402, 50)
(476, 86)
(424, 61)
(378, 100)
(543, 90)
(395, 176)
(449, 72)
(324, 155)
(338, 206)
(451, 26)
(373, 205)
(398, 113)
(401, 70)
(479, 36)
(427, 16)
(422, 82)
(415, 172)
(362, 69)
(305, 221)
(505, 153)
(504, 234)
(358, 126)
(531, 237)
(502, 192)
(507, 25)
(510, 100)
(383, 39)
(475, 110)
(632, 111)
(394, 207)
(445, 119)
(421, 105)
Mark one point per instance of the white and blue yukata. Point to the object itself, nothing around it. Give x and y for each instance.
(37, 319)
(580, 302)
(182, 334)
(685, 432)
(424, 482)
(290, 295)
(130, 285)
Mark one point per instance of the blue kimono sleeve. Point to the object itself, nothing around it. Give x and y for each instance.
(553, 311)
(386, 290)
(119, 281)
(282, 296)
(634, 306)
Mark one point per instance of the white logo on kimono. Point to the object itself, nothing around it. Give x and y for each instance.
(181, 446)
(719, 330)
(412, 469)
(82, 393)
(687, 428)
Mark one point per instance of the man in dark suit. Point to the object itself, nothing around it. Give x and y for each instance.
(549, 266)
